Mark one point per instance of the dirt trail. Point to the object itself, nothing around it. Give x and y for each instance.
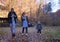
(31, 37)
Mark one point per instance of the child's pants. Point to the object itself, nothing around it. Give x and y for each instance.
(13, 28)
(39, 31)
(26, 29)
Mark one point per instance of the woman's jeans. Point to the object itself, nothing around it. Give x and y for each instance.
(13, 28)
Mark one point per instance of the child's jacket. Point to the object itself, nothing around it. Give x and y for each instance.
(39, 26)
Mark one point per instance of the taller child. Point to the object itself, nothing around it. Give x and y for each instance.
(25, 22)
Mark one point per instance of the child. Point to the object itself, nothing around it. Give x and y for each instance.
(39, 27)
(24, 19)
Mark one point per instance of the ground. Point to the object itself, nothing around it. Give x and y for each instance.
(49, 34)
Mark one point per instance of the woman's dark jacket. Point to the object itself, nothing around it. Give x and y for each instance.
(10, 18)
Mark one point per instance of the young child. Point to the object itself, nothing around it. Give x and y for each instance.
(39, 27)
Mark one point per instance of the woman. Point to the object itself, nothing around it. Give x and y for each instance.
(12, 17)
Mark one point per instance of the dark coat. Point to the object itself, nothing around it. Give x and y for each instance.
(10, 18)
(39, 26)
(23, 19)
